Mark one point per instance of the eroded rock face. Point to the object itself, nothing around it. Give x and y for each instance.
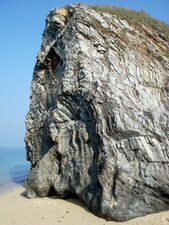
(98, 123)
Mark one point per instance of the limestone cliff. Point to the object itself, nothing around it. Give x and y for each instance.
(98, 123)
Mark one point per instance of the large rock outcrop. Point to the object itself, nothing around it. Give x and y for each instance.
(98, 124)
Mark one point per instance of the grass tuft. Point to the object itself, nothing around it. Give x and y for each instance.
(135, 18)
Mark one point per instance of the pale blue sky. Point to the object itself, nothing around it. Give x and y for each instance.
(21, 26)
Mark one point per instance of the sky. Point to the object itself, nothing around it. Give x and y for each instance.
(21, 26)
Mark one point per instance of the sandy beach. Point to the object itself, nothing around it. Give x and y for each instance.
(16, 209)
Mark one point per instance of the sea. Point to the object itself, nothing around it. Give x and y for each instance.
(13, 168)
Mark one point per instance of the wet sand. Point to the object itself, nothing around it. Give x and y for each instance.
(8, 186)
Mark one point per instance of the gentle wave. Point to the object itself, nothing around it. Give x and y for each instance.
(13, 167)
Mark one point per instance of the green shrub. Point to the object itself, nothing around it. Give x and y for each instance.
(166, 54)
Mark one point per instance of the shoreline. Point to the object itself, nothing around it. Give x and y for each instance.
(8, 186)
(16, 209)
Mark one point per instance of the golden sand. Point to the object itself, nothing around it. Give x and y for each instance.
(16, 209)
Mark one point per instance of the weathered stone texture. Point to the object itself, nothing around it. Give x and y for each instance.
(98, 123)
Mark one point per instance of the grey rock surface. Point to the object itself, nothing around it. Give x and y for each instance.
(98, 123)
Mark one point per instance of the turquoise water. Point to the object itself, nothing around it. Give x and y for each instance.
(13, 167)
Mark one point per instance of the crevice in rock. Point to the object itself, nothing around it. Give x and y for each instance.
(114, 183)
(52, 60)
(59, 159)
(51, 192)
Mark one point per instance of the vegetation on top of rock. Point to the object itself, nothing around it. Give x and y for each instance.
(166, 54)
(136, 18)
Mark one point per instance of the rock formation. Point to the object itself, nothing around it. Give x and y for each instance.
(98, 123)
